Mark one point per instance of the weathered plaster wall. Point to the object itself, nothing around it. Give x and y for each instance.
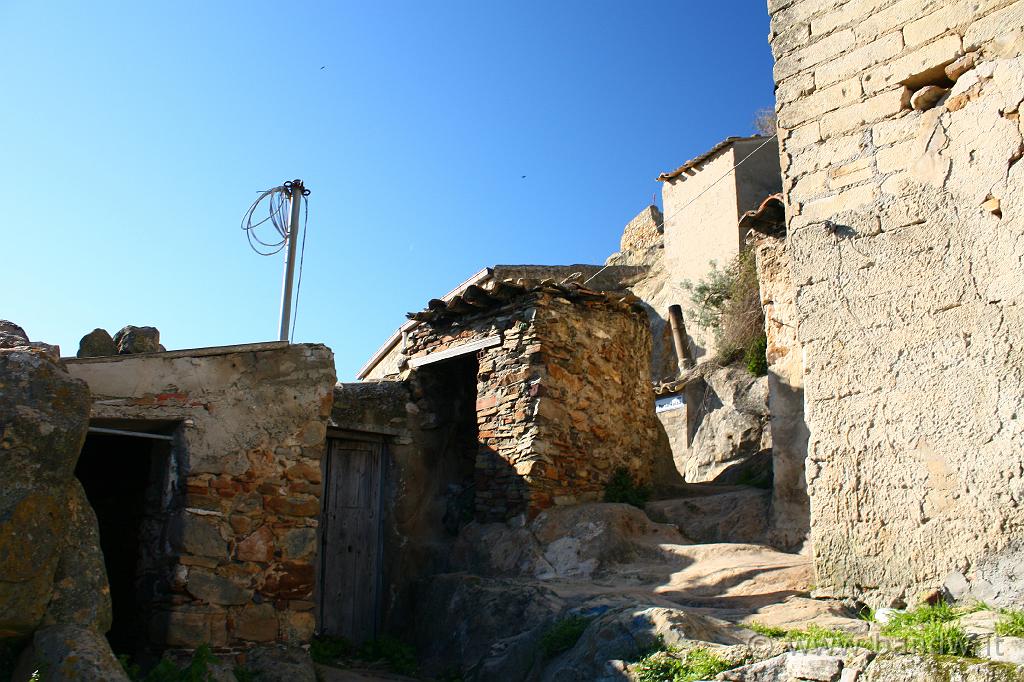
(542, 439)
(246, 483)
(707, 229)
(790, 507)
(907, 245)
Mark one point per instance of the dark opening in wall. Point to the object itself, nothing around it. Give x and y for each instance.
(127, 480)
(452, 389)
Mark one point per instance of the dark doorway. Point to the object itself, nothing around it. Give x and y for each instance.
(126, 479)
(451, 388)
(352, 538)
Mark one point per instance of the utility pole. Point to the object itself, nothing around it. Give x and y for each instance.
(295, 190)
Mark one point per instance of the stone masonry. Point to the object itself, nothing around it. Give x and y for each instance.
(900, 133)
(245, 483)
(563, 401)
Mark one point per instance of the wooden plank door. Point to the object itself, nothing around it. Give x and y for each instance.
(351, 533)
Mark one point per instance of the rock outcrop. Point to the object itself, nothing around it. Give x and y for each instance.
(131, 340)
(733, 427)
(51, 569)
(96, 344)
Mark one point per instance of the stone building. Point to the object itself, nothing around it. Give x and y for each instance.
(386, 362)
(548, 390)
(204, 470)
(899, 138)
(703, 200)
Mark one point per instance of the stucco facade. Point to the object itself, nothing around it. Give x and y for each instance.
(906, 236)
(702, 207)
(232, 559)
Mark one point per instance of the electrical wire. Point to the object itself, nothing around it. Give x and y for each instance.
(278, 215)
(702, 193)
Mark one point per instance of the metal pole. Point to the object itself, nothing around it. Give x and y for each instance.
(675, 319)
(295, 196)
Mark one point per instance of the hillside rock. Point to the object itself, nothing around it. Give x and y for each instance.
(96, 344)
(566, 542)
(733, 428)
(733, 515)
(65, 653)
(133, 339)
(51, 566)
(43, 420)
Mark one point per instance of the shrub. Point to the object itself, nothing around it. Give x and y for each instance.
(670, 666)
(766, 630)
(728, 303)
(563, 635)
(622, 488)
(756, 356)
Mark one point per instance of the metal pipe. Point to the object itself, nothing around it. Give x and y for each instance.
(675, 320)
(295, 196)
(134, 434)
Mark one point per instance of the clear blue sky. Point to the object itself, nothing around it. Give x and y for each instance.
(136, 133)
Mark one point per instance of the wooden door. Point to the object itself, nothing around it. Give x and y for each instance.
(351, 533)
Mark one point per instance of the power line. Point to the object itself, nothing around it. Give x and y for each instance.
(702, 193)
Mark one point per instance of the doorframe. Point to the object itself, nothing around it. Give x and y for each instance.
(337, 435)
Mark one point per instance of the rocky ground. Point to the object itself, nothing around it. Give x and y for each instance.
(602, 592)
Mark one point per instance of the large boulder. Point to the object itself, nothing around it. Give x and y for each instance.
(728, 514)
(733, 427)
(572, 542)
(97, 344)
(66, 653)
(81, 595)
(627, 633)
(133, 339)
(52, 574)
(44, 416)
(482, 628)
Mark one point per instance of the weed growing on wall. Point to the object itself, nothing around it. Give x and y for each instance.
(728, 303)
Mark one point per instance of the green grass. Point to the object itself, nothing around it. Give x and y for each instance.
(812, 637)
(930, 629)
(563, 635)
(767, 630)
(672, 666)
(338, 651)
(197, 670)
(1011, 623)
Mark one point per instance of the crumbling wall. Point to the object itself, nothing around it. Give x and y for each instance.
(907, 245)
(543, 440)
(596, 412)
(247, 487)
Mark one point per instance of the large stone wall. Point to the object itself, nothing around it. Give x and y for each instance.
(561, 403)
(790, 507)
(907, 245)
(246, 483)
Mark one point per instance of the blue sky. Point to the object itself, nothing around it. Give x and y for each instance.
(136, 134)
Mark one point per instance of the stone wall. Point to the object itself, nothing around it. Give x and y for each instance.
(643, 233)
(907, 246)
(790, 508)
(563, 401)
(245, 483)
